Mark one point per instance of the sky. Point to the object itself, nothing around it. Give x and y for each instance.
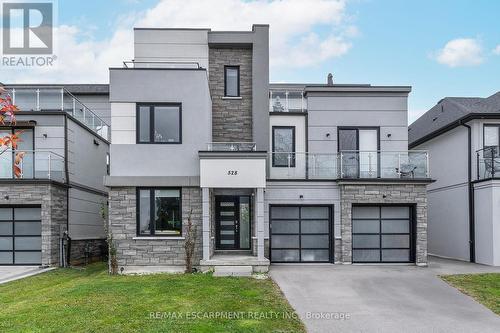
(440, 48)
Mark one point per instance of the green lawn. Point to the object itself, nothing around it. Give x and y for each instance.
(484, 288)
(89, 300)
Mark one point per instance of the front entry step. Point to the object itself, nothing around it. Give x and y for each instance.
(233, 271)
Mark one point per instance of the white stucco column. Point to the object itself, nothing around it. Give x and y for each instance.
(259, 203)
(205, 203)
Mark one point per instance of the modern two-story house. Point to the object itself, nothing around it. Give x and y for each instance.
(462, 135)
(267, 173)
(50, 209)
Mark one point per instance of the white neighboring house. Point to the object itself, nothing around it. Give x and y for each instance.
(462, 136)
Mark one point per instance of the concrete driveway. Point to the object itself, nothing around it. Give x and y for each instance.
(11, 273)
(354, 298)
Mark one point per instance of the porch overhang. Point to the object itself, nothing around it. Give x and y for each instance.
(233, 169)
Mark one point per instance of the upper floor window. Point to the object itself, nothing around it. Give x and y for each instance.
(159, 212)
(232, 81)
(159, 123)
(491, 135)
(283, 146)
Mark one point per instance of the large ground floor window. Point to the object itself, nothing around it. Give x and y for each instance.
(159, 212)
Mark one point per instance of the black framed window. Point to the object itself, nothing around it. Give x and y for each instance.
(232, 81)
(283, 146)
(159, 212)
(159, 123)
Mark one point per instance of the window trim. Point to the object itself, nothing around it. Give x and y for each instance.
(151, 123)
(151, 212)
(226, 67)
(292, 165)
(498, 129)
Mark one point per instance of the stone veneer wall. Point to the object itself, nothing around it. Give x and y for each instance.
(53, 201)
(151, 252)
(231, 118)
(382, 194)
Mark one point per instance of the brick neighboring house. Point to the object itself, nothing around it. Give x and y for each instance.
(60, 190)
(267, 172)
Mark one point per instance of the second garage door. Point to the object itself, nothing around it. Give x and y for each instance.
(300, 233)
(382, 234)
(20, 236)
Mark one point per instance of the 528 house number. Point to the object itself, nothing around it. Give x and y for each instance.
(232, 172)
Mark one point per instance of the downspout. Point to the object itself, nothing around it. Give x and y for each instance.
(472, 243)
(66, 164)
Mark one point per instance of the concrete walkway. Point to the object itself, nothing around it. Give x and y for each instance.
(384, 298)
(12, 273)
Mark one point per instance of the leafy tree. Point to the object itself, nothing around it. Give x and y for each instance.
(10, 141)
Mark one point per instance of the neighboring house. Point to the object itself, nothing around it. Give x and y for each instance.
(462, 135)
(60, 190)
(267, 173)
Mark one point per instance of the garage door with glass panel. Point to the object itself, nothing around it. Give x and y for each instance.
(20, 236)
(382, 234)
(300, 233)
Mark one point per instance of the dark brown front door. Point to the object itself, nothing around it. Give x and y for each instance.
(232, 221)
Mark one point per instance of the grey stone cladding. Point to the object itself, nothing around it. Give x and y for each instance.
(53, 201)
(140, 251)
(382, 194)
(231, 118)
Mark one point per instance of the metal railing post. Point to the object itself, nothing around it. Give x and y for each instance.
(341, 157)
(399, 165)
(49, 165)
(286, 100)
(62, 99)
(492, 163)
(14, 96)
(74, 107)
(477, 165)
(37, 100)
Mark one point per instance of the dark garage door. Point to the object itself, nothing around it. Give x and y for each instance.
(300, 233)
(382, 234)
(20, 236)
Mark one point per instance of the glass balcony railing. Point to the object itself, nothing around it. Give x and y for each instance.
(488, 163)
(58, 99)
(349, 165)
(287, 101)
(32, 164)
(231, 146)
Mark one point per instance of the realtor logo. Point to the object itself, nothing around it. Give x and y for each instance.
(27, 27)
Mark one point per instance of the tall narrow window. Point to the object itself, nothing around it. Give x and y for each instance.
(159, 212)
(232, 81)
(160, 123)
(283, 146)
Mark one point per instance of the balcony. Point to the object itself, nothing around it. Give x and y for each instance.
(231, 146)
(488, 163)
(349, 165)
(58, 99)
(287, 101)
(32, 164)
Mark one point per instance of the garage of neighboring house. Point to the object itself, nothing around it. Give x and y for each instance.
(20, 235)
(383, 234)
(300, 233)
